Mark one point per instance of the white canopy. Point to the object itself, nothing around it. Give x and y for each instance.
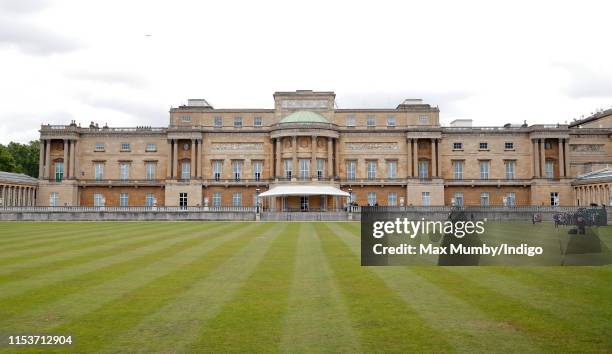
(294, 190)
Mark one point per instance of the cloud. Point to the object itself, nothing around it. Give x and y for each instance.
(32, 40)
(22, 6)
(23, 126)
(145, 112)
(392, 99)
(587, 83)
(127, 79)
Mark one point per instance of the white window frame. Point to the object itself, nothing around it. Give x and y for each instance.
(351, 122)
(484, 169)
(99, 200)
(99, 147)
(218, 122)
(237, 170)
(53, 199)
(304, 168)
(288, 165)
(391, 169)
(511, 199)
(238, 122)
(217, 169)
(423, 119)
(320, 168)
(372, 166)
(371, 198)
(392, 199)
(257, 170)
(458, 169)
(257, 121)
(150, 170)
(484, 199)
(554, 198)
(509, 169)
(391, 122)
(99, 171)
(549, 169)
(124, 171)
(509, 145)
(483, 145)
(150, 200)
(371, 121)
(457, 146)
(237, 199)
(124, 200)
(426, 198)
(459, 198)
(151, 147)
(216, 199)
(351, 169)
(423, 169)
(126, 147)
(185, 170)
(59, 171)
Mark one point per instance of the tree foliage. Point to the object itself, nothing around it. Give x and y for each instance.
(20, 158)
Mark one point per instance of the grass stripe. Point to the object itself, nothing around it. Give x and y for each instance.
(123, 278)
(252, 321)
(317, 317)
(466, 328)
(173, 327)
(382, 319)
(117, 316)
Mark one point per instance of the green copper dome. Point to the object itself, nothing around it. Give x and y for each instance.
(304, 117)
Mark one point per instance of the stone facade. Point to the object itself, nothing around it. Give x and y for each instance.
(402, 156)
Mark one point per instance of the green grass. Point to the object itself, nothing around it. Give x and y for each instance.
(281, 287)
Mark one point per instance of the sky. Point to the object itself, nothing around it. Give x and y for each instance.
(125, 63)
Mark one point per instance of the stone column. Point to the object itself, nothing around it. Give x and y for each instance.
(200, 159)
(434, 161)
(169, 170)
(542, 159)
(566, 157)
(72, 158)
(536, 159)
(193, 159)
(438, 172)
(294, 168)
(41, 159)
(561, 159)
(313, 156)
(279, 154)
(330, 158)
(47, 159)
(175, 168)
(65, 159)
(415, 151)
(409, 158)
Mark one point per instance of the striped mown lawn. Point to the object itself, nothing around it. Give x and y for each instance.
(281, 287)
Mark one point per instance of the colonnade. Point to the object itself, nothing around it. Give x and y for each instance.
(593, 193)
(277, 142)
(413, 157)
(69, 159)
(16, 195)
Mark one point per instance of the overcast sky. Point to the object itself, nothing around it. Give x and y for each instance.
(126, 63)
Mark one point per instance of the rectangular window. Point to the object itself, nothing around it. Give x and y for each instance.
(99, 171)
(217, 169)
(185, 170)
(351, 169)
(510, 199)
(150, 200)
(425, 198)
(124, 171)
(186, 118)
(99, 147)
(458, 197)
(483, 146)
(320, 168)
(304, 168)
(508, 145)
(391, 169)
(484, 169)
(257, 121)
(549, 169)
(218, 121)
(183, 200)
(257, 170)
(304, 203)
(554, 199)
(547, 146)
(99, 200)
(371, 169)
(151, 147)
(59, 171)
(288, 168)
(125, 146)
(392, 199)
(123, 200)
(423, 169)
(150, 170)
(391, 122)
(216, 199)
(424, 120)
(372, 198)
(237, 169)
(53, 198)
(484, 198)
(350, 121)
(371, 121)
(237, 122)
(458, 169)
(237, 199)
(457, 146)
(509, 169)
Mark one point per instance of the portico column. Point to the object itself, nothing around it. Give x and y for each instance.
(200, 160)
(542, 158)
(41, 159)
(409, 158)
(313, 156)
(72, 158)
(175, 169)
(65, 159)
(536, 159)
(566, 157)
(193, 159)
(438, 172)
(47, 159)
(434, 161)
(278, 157)
(561, 159)
(415, 151)
(330, 158)
(294, 167)
(169, 170)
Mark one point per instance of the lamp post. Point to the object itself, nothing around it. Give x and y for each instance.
(350, 201)
(257, 190)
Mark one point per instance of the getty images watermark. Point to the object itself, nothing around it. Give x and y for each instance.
(459, 236)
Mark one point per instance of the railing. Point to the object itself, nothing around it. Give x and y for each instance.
(103, 182)
(128, 209)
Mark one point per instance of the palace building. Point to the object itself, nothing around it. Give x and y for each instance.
(307, 154)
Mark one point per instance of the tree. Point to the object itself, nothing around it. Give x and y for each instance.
(7, 162)
(20, 158)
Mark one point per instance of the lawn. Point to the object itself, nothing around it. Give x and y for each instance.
(286, 287)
